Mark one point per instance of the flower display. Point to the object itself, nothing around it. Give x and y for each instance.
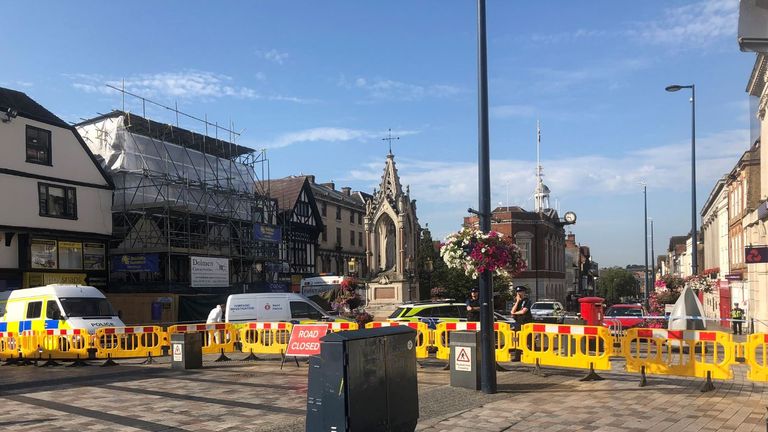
(700, 282)
(474, 252)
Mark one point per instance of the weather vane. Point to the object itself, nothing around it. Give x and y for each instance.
(389, 139)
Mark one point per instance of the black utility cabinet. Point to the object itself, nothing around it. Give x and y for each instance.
(364, 381)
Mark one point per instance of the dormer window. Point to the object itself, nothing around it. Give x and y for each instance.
(38, 146)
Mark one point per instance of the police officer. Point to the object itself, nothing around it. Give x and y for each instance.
(521, 310)
(737, 317)
(473, 305)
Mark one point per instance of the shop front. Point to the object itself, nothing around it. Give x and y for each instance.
(56, 260)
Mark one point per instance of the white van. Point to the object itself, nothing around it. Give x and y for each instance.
(274, 307)
(58, 307)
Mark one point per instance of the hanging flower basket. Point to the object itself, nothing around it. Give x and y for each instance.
(475, 252)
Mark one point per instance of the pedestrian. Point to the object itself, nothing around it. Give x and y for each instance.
(473, 305)
(737, 318)
(521, 310)
(216, 315)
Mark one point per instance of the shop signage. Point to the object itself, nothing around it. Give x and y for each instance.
(136, 263)
(267, 233)
(43, 254)
(209, 272)
(35, 279)
(755, 254)
(93, 256)
(734, 276)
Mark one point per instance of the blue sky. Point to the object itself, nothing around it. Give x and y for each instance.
(319, 83)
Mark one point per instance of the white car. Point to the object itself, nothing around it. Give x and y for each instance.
(548, 311)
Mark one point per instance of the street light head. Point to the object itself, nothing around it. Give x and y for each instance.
(673, 88)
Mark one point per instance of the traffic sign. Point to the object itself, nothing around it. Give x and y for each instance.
(305, 340)
(463, 359)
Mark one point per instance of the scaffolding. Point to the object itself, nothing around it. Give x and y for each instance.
(180, 193)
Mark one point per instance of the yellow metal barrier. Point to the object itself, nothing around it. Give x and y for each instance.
(9, 345)
(125, 342)
(702, 354)
(55, 344)
(503, 336)
(265, 337)
(571, 346)
(756, 356)
(422, 334)
(217, 337)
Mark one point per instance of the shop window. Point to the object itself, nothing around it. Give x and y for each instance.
(38, 146)
(57, 201)
(34, 309)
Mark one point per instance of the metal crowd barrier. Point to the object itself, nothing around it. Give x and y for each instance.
(693, 353)
(503, 336)
(569, 346)
(126, 342)
(217, 337)
(422, 334)
(265, 337)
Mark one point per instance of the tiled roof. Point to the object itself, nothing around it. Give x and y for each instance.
(286, 191)
(26, 107)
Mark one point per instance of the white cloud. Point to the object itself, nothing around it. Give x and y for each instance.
(692, 25)
(663, 167)
(273, 55)
(566, 37)
(177, 85)
(327, 134)
(386, 89)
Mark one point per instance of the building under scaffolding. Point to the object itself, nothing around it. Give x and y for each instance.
(181, 199)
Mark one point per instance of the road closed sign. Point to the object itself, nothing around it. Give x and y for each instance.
(305, 340)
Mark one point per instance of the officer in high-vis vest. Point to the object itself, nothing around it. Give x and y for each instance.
(737, 317)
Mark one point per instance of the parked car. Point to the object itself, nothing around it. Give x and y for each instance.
(629, 315)
(548, 311)
(432, 313)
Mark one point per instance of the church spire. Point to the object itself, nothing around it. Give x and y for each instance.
(541, 195)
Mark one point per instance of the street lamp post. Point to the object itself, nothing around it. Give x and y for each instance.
(645, 226)
(653, 260)
(694, 242)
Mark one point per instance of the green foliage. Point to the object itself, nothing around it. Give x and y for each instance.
(671, 282)
(615, 283)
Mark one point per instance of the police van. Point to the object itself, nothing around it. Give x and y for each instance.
(57, 307)
(288, 307)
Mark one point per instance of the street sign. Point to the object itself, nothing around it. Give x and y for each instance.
(305, 340)
(177, 352)
(463, 360)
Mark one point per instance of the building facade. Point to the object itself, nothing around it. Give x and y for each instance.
(714, 234)
(56, 220)
(343, 236)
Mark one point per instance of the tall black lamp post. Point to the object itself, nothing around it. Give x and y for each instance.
(645, 242)
(694, 242)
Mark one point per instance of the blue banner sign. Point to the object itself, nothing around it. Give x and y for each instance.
(267, 233)
(136, 263)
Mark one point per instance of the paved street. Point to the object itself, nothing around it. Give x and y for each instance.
(260, 397)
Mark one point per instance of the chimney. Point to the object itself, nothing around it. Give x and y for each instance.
(311, 179)
(570, 240)
(330, 185)
(346, 191)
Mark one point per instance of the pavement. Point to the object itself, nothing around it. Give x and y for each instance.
(259, 396)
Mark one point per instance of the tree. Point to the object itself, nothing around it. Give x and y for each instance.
(426, 251)
(615, 283)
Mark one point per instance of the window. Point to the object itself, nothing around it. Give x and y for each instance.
(359, 218)
(87, 307)
(57, 201)
(338, 236)
(304, 310)
(351, 216)
(323, 208)
(38, 146)
(34, 309)
(359, 239)
(52, 310)
(325, 233)
(352, 238)
(338, 213)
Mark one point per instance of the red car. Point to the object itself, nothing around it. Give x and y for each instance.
(629, 315)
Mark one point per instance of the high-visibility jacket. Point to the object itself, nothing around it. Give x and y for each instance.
(737, 313)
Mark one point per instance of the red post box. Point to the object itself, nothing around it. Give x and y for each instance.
(592, 310)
